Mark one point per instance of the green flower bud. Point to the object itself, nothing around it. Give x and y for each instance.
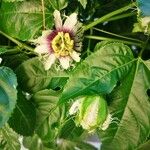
(92, 113)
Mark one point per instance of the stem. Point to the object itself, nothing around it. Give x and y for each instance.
(143, 48)
(121, 16)
(89, 43)
(120, 36)
(21, 45)
(13, 51)
(43, 12)
(63, 113)
(113, 40)
(108, 16)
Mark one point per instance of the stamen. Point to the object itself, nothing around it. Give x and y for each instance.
(62, 44)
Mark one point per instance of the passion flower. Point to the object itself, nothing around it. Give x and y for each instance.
(91, 112)
(62, 43)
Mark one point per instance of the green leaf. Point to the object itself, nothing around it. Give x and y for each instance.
(59, 5)
(83, 3)
(99, 73)
(34, 143)
(102, 44)
(8, 93)
(9, 139)
(64, 144)
(130, 104)
(13, 0)
(69, 130)
(23, 20)
(32, 76)
(13, 61)
(47, 113)
(145, 146)
(24, 116)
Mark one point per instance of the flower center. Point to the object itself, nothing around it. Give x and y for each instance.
(62, 44)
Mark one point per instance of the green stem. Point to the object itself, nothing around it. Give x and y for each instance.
(13, 51)
(113, 40)
(108, 16)
(121, 16)
(117, 35)
(89, 43)
(21, 45)
(63, 113)
(43, 13)
(143, 47)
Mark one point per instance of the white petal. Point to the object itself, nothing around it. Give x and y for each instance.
(64, 61)
(90, 116)
(0, 60)
(45, 33)
(42, 39)
(145, 21)
(50, 60)
(42, 49)
(107, 122)
(75, 56)
(57, 19)
(75, 107)
(70, 22)
(77, 27)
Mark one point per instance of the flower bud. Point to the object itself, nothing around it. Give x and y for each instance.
(92, 113)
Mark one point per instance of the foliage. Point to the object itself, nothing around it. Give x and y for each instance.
(47, 114)
(99, 72)
(27, 16)
(9, 139)
(34, 79)
(23, 117)
(8, 93)
(127, 105)
(35, 103)
(83, 3)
